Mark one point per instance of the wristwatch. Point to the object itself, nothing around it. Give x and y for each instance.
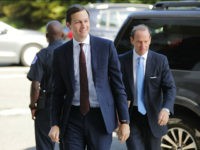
(124, 121)
(33, 106)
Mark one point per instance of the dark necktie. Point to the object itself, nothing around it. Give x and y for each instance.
(140, 86)
(84, 93)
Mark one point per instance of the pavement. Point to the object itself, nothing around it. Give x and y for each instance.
(16, 125)
(17, 132)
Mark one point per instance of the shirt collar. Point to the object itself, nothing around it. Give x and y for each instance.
(86, 41)
(143, 56)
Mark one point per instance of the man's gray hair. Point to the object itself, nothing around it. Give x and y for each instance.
(141, 27)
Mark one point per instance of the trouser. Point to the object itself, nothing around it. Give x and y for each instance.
(86, 131)
(141, 137)
(42, 128)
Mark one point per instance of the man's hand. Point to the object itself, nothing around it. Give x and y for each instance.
(123, 132)
(54, 133)
(163, 117)
(33, 111)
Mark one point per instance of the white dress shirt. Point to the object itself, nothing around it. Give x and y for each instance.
(92, 90)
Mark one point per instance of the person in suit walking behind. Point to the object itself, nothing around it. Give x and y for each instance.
(87, 74)
(40, 74)
(151, 90)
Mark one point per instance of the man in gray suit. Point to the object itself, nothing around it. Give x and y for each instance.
(151, 90)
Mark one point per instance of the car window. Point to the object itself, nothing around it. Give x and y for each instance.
(102, 19)
(178, 39)
(111, 18)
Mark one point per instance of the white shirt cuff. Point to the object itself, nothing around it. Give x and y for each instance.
(166, 109)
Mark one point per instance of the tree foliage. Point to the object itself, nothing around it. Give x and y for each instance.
(36, 13)
(32, 14)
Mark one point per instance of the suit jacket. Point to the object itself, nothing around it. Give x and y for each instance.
(107, 78)
(159, 87)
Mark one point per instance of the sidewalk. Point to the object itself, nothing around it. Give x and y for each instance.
(16, 125)
(17, 133)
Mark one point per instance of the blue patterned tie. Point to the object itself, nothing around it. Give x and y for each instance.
(140, 85)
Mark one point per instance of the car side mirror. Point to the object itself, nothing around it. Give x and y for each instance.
(3, 31)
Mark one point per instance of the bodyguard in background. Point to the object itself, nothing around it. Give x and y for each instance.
(40, 74)
(87, 73)
(151, 90)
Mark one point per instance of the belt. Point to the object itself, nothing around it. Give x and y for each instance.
(78, 108)
(135, 112)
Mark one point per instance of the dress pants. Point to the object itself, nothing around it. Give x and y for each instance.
(141, 137)
(86, 131)
(42, 128)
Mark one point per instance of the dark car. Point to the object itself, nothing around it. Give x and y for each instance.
(176, 34)
(107, 18)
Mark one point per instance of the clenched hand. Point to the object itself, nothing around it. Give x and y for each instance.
(163, 117)
(54, 133)
(123, 132)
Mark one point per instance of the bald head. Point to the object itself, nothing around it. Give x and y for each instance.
(54, 31)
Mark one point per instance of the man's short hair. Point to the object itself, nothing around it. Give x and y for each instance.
(74, 9)
(141, 27)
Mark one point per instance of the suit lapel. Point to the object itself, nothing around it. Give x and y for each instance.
(94, 57)
(130, 72)
(148, 65)
(69, 59)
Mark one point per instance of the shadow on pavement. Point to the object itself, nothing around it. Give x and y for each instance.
(116, 145)
(31, 148)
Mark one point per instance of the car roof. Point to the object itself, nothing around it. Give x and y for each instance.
(166, 13)
(176, 5)
(101, 6)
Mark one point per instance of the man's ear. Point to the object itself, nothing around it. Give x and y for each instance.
(63, 35)
(131, 38)
(47, 37)
(68, 25)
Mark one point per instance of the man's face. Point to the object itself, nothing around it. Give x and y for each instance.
(80, 25)
(141, 41)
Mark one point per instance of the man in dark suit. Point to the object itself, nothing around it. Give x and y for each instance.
(151, 90)
(91, 104)
(40, 75)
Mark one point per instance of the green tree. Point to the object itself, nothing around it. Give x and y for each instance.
(34, 14)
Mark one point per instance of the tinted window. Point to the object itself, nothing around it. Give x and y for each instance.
(178, 39)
